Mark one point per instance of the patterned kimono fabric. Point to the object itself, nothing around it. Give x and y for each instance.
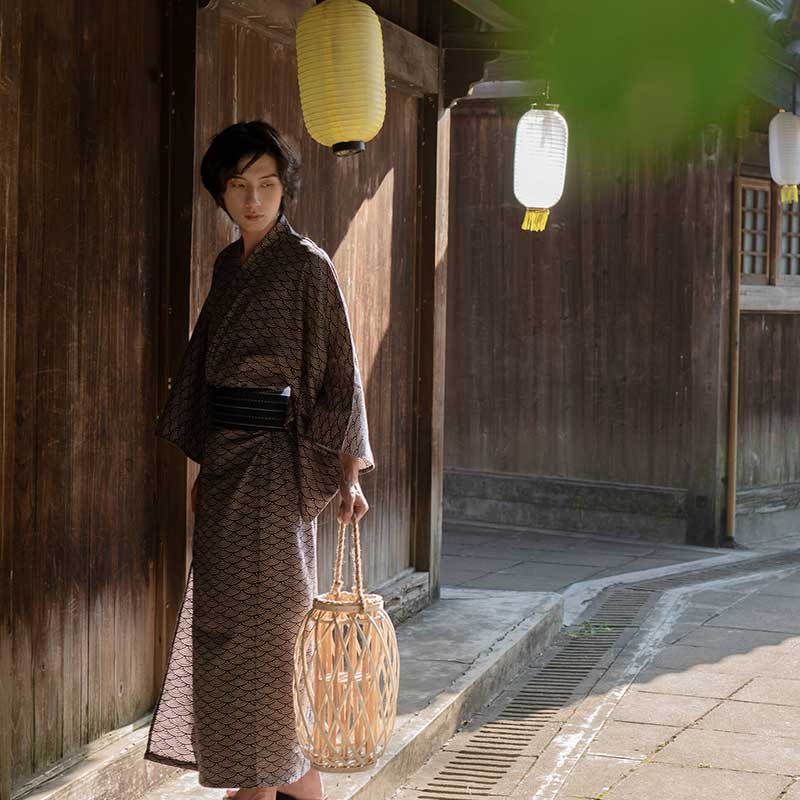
(277, 320)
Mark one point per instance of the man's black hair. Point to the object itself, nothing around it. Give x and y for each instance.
(258, 137)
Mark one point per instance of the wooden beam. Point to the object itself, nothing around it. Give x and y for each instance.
(411, 63)
(487, 40)
(770, 299)
(492, 13)
(460, 70)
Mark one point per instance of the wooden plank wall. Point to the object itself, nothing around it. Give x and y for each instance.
(769, 400)
(570, 352)
(80, 103)
(362, 211)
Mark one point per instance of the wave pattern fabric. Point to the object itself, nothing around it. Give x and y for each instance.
(275, 319)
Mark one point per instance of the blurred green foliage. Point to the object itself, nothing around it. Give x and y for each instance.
(644, 72)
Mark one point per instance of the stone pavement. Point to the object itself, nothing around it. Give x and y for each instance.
(482, 557)
(503, 595)
(702, 701)
(713, 713)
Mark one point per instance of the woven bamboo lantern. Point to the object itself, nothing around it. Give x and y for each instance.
(346, 674)
(341, 74)
(540, 163)
(784, 154)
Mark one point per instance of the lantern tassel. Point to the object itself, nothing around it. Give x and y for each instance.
(789, 193)
(536, 219)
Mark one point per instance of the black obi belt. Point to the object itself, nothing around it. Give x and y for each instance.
(248, 408)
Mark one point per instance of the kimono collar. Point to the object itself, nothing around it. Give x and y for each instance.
(279, 229)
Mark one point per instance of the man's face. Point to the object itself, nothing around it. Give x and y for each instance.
(253, 197)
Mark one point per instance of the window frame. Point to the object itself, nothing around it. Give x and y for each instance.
(744, 182)
(774, 210)
(778, 279)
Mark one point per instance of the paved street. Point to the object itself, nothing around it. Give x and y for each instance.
(700, 700)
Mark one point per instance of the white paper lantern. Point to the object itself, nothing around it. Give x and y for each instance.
(540, 163)
(784, 154)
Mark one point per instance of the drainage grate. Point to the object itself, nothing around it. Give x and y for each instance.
(786, 559)
(494, 750)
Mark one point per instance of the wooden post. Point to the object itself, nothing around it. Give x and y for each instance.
(733, 395)
(430, 303)
(708, 190)
(743, 128)
(177, 187)
(11, 69)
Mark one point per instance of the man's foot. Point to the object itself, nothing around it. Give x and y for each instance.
(254, 793)
(307, 787)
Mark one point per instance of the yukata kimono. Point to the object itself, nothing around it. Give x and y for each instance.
(276, 320)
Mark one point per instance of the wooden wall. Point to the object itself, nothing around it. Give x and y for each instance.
(98, 115)
(362, 211)
(80, 150)
(769, 400)
(596, 349)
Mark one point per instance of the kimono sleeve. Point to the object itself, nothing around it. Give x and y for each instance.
(337, 419)
(184, 418)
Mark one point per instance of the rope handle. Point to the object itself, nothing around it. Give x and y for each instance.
(358, 583)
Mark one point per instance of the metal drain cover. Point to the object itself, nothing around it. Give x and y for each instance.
(497, 748)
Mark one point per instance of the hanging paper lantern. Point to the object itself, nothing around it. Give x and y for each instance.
(540, 163)
(784, 154)
(341, 74)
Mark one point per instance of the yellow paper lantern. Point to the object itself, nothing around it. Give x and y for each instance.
(341, 74)
(346, 674)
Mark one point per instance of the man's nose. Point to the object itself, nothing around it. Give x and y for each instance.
(253, 197)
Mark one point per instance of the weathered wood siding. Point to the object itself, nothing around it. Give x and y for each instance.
(362, 211)
(596, 349)
(769, 397)
(92, 544)
(80, 149)
(769, 400)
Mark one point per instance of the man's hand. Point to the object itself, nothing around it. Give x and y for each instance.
(352, 503)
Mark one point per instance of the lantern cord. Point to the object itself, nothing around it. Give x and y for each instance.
(535, 219)
(789, 193)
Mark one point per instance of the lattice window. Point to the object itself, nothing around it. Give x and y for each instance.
(753, 239)
(789, 244)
